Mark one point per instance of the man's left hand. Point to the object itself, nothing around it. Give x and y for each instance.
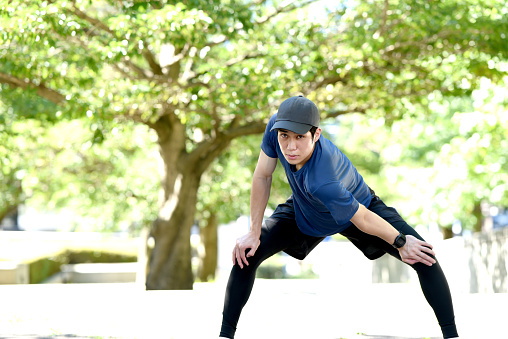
(416, 250)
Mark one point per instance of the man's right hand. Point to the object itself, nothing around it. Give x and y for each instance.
(248, 241)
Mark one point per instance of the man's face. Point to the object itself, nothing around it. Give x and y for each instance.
(297, 148)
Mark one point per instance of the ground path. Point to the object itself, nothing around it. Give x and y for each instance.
(311, 309)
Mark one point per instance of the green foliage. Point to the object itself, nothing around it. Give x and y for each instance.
(225, 188)
(96, 256)
(436, 168)
(472, 167)
(109, 185)
(376, 58)
(217, 65)
(43, 268)
(393, 54)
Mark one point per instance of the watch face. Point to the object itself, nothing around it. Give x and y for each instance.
(400, 241)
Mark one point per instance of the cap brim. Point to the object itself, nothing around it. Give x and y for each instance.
(291, 126)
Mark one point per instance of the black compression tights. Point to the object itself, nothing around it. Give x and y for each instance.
(275, 239)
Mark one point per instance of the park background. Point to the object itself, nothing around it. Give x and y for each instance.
(129, 131)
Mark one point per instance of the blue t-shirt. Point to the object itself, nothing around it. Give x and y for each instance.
(327, 190)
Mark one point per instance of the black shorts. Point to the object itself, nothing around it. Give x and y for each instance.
(371, 246)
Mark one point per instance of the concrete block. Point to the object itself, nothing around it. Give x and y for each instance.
(14, 273)
(100, 273)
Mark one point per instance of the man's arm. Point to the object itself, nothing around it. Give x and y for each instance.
(412, 252)
(260, 192)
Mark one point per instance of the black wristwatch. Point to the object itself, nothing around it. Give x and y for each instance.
(399, 241)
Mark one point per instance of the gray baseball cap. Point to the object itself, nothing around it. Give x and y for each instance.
(297, 114)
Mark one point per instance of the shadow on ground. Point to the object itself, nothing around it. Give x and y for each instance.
(67, 336)
(57, 336)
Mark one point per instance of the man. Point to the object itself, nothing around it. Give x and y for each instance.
(329, 197)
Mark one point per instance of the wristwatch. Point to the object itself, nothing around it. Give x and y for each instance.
(399, 241)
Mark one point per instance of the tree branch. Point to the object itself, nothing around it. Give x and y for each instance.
(94, 22)
(154, 66)
(215, 117)
(215, 147)
(41, 89)
(287, 6)
(124, 72)
(258, 2)
(210, 148)
(217, 41)
(327, 81)
(255, 127)
(229, 63)
(173, 65)
(337, 113)
(119, 67)
(400, 19)
(385, 14)
(417, 42)
(138, 70)
(213, 152)
(239, 59)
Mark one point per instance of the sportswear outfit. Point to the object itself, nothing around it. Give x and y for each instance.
(327, 192)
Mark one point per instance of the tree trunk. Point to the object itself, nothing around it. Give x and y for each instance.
(170, 260)
(477, 212)
(9, 212)
(209, 239)
(447, 232)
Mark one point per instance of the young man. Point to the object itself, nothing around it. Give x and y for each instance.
(329, 196)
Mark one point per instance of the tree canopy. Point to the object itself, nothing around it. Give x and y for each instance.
(456, 159)
(108, 58)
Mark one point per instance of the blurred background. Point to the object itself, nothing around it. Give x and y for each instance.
(129, 132)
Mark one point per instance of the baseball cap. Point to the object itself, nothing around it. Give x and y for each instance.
(297, 114)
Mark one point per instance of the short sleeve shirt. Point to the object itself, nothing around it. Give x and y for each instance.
(327, 190)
